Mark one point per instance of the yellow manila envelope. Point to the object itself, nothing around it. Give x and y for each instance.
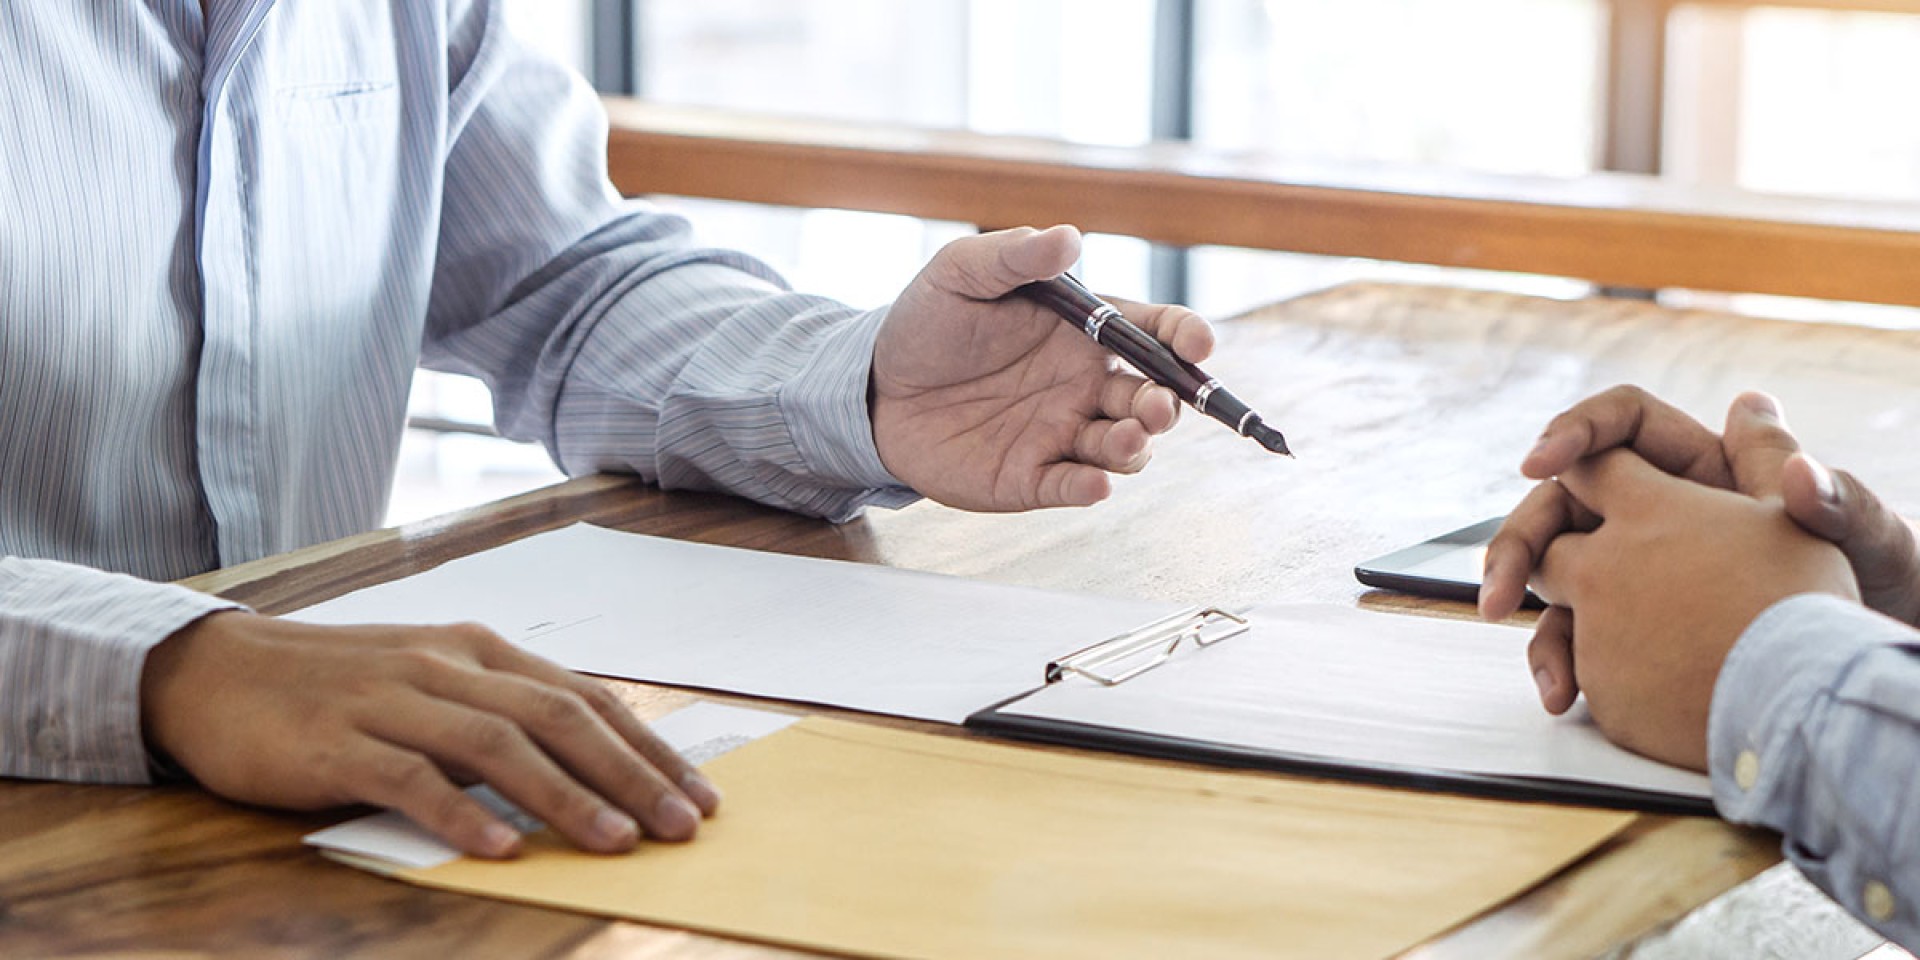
(871, 841)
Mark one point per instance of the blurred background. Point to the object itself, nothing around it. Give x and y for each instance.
(1791, 99)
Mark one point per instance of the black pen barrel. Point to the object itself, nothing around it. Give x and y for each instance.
(1077, 306)
(1153, 359)
(1065, 296)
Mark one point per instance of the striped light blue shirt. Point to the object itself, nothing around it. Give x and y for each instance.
(226, 245)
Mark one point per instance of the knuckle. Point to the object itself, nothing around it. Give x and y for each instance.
(474, 637)
(488, 735)
(1774, 437)
(1539, 515)
(413, 663)
(326, 758)
(451, 808)
(1503, 545)
(600, 700)
(1138, 393)
(400, 775)
(569, 803)
(558, 707)
(1627, 395)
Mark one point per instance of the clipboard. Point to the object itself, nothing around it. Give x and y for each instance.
(1161, 665)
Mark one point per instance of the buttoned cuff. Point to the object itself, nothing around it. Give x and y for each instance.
(73, 645)
(1786, 662)
(1812, 734)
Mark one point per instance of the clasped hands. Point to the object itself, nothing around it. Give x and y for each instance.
(977, 402)
(1656, 543)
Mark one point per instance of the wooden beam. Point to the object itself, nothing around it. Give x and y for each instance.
(1616, 230)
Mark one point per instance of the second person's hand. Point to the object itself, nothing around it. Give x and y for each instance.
(1654, 598)
(1758, 456)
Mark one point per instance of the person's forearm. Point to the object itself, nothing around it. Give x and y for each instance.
(72, 645)
(763, 395)
(608, 335)
(1816, 733)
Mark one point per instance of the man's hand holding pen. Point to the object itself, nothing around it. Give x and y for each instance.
(986, 402)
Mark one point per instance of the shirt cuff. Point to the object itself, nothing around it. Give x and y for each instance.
(1769, 683)
(73, 645)
(825, 407)
(1811, 734)
(708, 379)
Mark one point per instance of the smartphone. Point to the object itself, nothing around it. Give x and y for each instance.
(1447, 567)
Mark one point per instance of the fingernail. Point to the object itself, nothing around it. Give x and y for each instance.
(615, 829)
(1823, 486)
(676, 818)
(1761, 404)
(499, 840)
(1543, 680)
(701, 791)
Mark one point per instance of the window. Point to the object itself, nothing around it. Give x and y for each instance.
(1772, 99)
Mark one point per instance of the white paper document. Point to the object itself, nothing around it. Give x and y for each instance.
(388, 840)
(1361, 688)
(1318, 682)
(852, 635)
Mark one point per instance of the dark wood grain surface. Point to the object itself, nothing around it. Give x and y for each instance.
(1409, 407)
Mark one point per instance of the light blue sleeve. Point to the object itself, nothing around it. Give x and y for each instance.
(73, 643)
(606, 334)
(1815, 733)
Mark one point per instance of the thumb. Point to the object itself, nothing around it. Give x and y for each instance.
(1878, 543)
(1815, 500)
(1757, 444)
(991, 265)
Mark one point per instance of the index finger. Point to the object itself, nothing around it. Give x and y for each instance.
(1188, 333)
(1618, 482)
(1521, 542)
(1631, 418)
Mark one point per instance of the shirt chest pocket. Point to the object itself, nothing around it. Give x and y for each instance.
(328, 195)
(340, 104)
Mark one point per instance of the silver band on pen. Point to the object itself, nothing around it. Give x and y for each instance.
(1098, 319)
(1201, 394)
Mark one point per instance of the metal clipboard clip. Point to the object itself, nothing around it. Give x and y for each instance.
(1116, 660)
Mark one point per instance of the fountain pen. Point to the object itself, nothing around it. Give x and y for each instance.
(1077, 305)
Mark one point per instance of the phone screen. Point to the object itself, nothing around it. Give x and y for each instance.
(1448, 566)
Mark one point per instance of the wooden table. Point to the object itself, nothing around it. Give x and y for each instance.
(1409, 407)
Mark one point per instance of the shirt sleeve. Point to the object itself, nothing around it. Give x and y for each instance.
(1815, 733)
(73, 643)
(606, 333)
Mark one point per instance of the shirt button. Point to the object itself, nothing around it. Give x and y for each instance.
(1878, 900)
(1746, 769)
(50, 742)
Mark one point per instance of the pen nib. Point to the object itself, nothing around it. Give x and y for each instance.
(1268, 437)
